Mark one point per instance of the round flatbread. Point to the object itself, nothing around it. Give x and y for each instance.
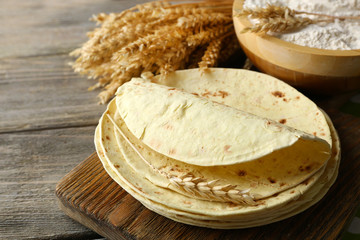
(154, 178)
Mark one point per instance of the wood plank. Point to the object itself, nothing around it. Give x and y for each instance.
(44, 92)
(91, 197)
(31, 163)
(41, 27)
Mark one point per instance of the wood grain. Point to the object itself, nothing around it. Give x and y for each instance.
(31, 163)
(44, 92)
(41, 27)
(91, 197)
(38, 89)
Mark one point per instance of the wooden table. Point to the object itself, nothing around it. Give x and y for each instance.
(47, 116)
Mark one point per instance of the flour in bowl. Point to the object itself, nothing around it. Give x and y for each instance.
(337, 35)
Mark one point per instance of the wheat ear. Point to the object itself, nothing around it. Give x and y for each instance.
(153, 36)
(209, 190)
(198, 186)
(281, 18)
(278, 24)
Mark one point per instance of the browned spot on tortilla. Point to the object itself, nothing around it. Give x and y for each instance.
(196, 94)
(102, 139)
(282, 184)
(117, 166)
(176, 165)
(322, 134)
(285, 99)
(108, 128)
(107, 137)
(155, 143)
(140, 189)
(241, 173)
(282, 121)
(256, 177)
(317, 113)
(233, 204)
(206, 93)
(170, 94)
(301, 169)
(168, 126)
(223, 94)
(172, 151)
(308, 168)
(274, 160)
(289, 172)
(293, 191)
(253, 185)
(268, 122)
(278, 94)
(187, 202)
(220, 93)
(226, 148)
(314, 133)
(272, 180)
(297, 97)
(172, 89)
(307, 181)
(158, 192)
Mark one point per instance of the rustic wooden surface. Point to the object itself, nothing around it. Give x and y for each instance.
(90, 196)
(47, 117)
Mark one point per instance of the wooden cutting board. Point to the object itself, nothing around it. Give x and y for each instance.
(88, 195)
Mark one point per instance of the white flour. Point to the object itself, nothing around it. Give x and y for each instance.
(339, 35)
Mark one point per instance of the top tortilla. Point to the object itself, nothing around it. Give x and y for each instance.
(198, 131)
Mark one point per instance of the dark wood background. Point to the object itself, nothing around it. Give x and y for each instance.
(47, 116)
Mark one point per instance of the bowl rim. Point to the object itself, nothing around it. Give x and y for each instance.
(238, 4)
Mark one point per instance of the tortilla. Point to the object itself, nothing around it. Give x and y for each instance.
(284, 205)
(176, 124)
(149, 185)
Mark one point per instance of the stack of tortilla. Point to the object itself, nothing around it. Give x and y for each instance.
(223, 149)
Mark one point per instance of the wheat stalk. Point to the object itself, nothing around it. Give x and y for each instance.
(197, 186)
(278, 24)
(281, 18)
(211, 191)
(269, 11)
(158, 36)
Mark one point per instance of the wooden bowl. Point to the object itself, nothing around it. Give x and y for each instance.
(316, 70)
